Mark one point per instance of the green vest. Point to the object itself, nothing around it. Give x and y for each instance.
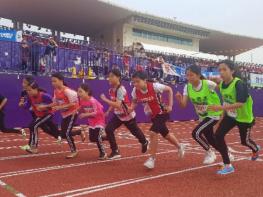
(243, 114)
(202, 99)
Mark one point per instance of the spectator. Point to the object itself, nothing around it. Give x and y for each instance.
(35, 55)
(50, 55)
(25, 54)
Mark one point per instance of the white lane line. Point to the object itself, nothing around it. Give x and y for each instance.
(59, 167)
(53, 153)
(97, 188)
(10, 189)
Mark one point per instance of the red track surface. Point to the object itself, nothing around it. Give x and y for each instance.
(48, 173)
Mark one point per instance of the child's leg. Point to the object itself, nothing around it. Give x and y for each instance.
(66, 128)
(153, 146)
(113, 124)
(225, 126)
(244, 131)
(135, 130)
(206, 128)
(95, 136)
(173, 140)
(2, 125)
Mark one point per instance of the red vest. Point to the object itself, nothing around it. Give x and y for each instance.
(151, 98)
(37, 100)
(62, 99)
(113, 96)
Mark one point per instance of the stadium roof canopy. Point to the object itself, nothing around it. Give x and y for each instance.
(85, 17)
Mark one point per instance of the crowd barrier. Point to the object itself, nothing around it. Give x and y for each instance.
(10, 86)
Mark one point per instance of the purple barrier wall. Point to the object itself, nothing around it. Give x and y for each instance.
(10, 86)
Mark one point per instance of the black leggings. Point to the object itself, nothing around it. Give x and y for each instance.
(66, 130)
(225, 126)
(115, 123)
(95, 135)
(46, 124)
(2, 125)
(204, 133)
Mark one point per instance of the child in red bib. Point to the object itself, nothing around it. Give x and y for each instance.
(149, 94)
(119, 102)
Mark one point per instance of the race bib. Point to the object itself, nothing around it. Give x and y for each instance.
(201, 109)
(231, 113)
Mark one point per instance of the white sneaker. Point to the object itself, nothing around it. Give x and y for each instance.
(181, 150)
(210, 157)
(150, 163)
(59, 140)
(231, 157)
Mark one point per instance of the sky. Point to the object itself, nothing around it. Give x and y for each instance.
(244, 17)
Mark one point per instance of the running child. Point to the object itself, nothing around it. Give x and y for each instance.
(150, 95)
(93, 111)
(43, 117)
(119, 102)
(66, 101)
(3, 129)
(238, 107)
(202, 94)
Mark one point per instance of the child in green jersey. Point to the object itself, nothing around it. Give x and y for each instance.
(202, 94)
(238, 107)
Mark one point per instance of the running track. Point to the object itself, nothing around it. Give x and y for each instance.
(49, 174)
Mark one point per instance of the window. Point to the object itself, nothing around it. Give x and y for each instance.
(162, 37)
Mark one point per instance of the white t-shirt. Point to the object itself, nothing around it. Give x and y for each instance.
(158, 88)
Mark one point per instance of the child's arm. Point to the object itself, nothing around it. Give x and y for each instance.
(113, 104)
(108, 111)
(181, 99)
(3, 103)
(169, 90)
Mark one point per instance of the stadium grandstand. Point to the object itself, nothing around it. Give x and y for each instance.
(119, 37)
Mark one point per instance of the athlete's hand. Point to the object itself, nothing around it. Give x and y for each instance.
(215, 108)
(168, 109)
(179, 96)
(82, 115)
(57, 108)
(41, 107)
(130, 109)
(21, 102)
(103, 97)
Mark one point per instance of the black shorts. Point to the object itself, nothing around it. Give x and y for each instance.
(159, 124)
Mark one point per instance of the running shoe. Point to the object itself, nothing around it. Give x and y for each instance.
(23, 133)
(114, 155)
(103, 156)
(72, 155)
(210, 157)
(32, 150)
(145, 146)
(255, 155)
(25, 147)
(181, 150)
(226, 170)
(150, 163)
(59, 140)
